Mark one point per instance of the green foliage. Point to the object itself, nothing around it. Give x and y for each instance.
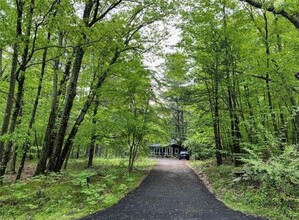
(272, 197)
(175, 95)
(129, 112)
(277, 174)
(242, 64)
(201, 145)
(80, 179)
(231, 57)
(68, 195)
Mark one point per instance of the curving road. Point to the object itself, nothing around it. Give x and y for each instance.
(172, 191)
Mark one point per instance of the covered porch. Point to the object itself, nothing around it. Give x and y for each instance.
(157, 150)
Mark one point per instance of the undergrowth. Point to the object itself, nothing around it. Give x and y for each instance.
(252, 196)
(73, 193)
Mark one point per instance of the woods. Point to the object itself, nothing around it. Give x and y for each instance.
(60, 54)
(76, 82)
(243, 62)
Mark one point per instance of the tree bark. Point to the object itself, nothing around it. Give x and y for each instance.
(234, 119)
(71, 93)
(12, 82)
(269, 96)
(56, 93)
(13, 159)
(293, 110)
(253, 125)
(20, 76)
(216, 123)
(54, 163)
(14, 121)
(26, 145)
(69, 141)
(93, 134)
(283, 129)
(1, 62)
(214, 109)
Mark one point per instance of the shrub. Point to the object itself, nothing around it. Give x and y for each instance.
(278, 174)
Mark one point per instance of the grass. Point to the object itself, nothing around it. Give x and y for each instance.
(246, 196)
(67, 195)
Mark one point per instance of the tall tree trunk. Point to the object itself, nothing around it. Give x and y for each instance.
(217, 131)
(295, 122)
(214, 108)
(26, 145)
(12, 82)
(1, 62)
(69, 141)
(93, 133)
(56, 93)
(283, 129)
(217, 134)
(134, 146)
(237, 136)
(20, 76)
(234, 119)
(13, 159)
(269, 96)
(91, 8)
(14, 121)
(69, 153)
(71, 93)
(253, 124)
(248, 128)
(293, 110)
(93, 89)
(235, 131)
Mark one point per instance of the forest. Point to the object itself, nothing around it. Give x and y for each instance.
(88, 79)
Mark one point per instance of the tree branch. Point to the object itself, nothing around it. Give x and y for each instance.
(263, 78)
(100, 17)
(292, 17)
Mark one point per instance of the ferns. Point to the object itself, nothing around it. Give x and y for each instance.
(278, 174)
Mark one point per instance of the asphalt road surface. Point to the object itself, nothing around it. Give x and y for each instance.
(172, 191)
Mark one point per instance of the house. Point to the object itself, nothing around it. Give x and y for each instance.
(170, 150)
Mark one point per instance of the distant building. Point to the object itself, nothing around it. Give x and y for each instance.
(170, 150)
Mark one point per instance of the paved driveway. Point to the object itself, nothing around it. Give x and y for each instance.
(171, 191)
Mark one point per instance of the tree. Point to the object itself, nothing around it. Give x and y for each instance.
(26, 44)
(175, 96)
(112, 33)
(238, 59)
(209, 59)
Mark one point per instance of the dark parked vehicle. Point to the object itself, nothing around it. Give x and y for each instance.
(184, 155)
